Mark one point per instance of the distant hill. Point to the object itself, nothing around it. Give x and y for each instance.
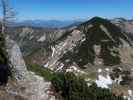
(125, 24)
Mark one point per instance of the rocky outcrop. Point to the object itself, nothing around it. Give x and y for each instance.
(18, 65)
(28, 86)
(33, 88)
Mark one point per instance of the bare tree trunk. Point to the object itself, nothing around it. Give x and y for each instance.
(3, 28)
(3, 4)
(7, 15)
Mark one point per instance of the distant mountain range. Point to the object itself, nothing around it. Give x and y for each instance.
(47, 23)
(125, 24)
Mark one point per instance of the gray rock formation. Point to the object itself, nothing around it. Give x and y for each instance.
(29, 85)
(16, 59)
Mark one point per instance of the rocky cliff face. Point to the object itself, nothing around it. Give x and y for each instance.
(16, 59)
(27, 85)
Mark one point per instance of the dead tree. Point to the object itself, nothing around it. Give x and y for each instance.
(8, 14)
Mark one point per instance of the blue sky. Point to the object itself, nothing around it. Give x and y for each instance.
(71, 9)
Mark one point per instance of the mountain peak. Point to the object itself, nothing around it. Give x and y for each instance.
(96, 21)
(101, 28)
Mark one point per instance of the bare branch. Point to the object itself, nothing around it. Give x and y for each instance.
(8, 15)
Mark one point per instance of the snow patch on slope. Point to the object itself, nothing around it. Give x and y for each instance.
(107, 32)
(103, 82)
(75, 70)
(43, 38)
(53, 51)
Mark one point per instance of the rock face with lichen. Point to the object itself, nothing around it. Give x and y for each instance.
(16, 59)
(26, 85)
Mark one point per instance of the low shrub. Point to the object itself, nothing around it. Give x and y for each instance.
(41, 71)
(71, 87)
